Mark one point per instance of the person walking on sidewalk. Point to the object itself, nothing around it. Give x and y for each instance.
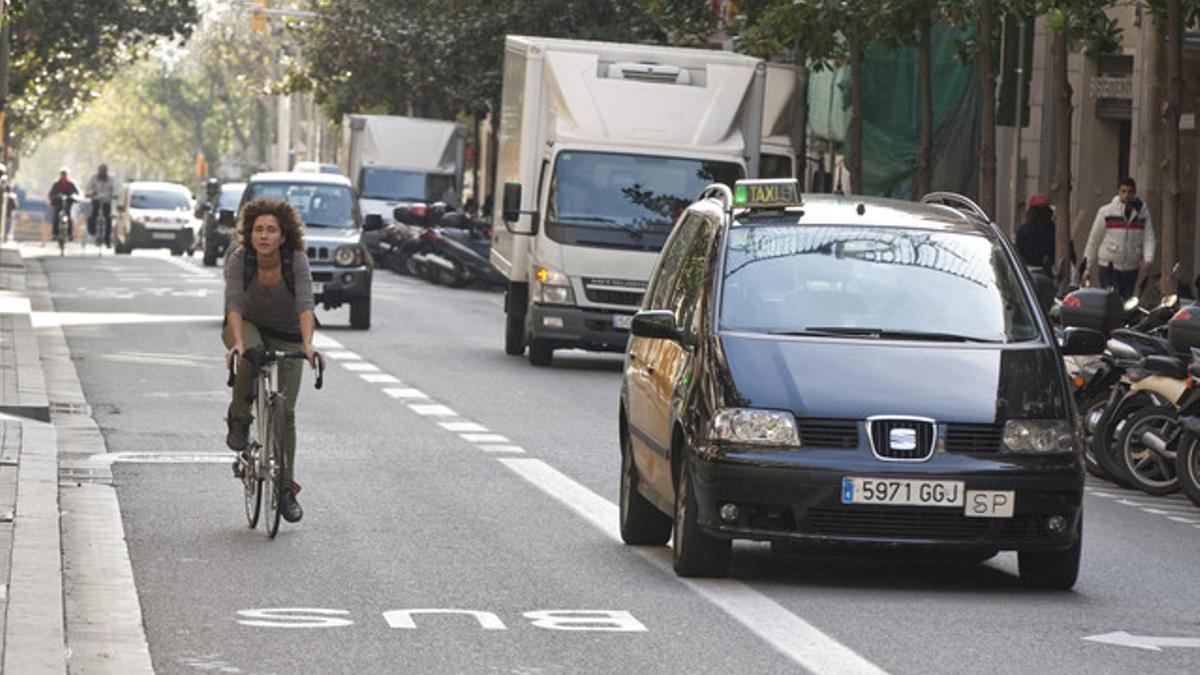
(269, 302)
(1035, 237)
(1122, 236)
(100, 191)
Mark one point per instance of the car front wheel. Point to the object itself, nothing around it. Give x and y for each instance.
(694, 553)
(641, 523)
(1051, 570)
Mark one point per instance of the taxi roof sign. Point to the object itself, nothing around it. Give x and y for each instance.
(775, 193)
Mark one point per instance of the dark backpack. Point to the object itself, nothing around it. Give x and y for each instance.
(250, 268)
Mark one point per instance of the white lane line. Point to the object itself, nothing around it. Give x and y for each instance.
(484, 438)
(380, 378)
(462, 426)
(191, 268)
(794, 637)
(1189, 521)
(402, 392)
(432, 410)
(342, 355)
(323, 341)
(361, 367)
(510, 449)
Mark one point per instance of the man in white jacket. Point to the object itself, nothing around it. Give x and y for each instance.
(1122, 236)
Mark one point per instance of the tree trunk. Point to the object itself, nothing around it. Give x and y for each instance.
(924, 173)
(987, 115)
(476, 188)
(800, 115)
(1060, 185)
(854, 151)
(1170, 120)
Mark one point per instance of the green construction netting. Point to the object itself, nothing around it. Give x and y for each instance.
(892, 116)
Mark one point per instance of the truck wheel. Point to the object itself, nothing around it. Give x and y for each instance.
(360, 314)
(514, 334)
(540, 353)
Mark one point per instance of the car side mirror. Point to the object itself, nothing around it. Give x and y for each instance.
(373, 221)
(1081, 342)
(512, 202)
(657, 323)
(226, 218)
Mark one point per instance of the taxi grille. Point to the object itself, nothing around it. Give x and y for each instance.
(919, 524)
(901, 438)
(828, 433)
(973, 437)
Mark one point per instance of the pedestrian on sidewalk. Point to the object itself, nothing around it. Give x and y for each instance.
(1035, 237)
(1122, 236)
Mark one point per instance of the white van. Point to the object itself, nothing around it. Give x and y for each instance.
(150, 214)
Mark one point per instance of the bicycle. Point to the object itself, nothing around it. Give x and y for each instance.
(263, 460)
(103, 228)
(62, 227)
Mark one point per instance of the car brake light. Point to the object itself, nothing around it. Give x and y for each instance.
(1183, 315)
(1072, 301)
(429, 235)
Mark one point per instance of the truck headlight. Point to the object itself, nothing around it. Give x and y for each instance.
(552, 287)
(1039, 436)
(755, 427)
(346, 256)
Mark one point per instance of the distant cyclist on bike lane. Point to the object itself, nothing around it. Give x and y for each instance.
(62, 193)
(269, 302)
(100, 191)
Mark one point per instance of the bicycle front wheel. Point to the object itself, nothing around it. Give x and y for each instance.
(252, 489)
(273, 459)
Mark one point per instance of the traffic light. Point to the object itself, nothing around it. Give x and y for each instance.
(258, 18)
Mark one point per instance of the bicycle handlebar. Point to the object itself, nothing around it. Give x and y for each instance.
(261, 358)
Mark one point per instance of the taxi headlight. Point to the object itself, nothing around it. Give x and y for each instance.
(1039, 436)
(755, 427)
(347, 256)
(552, 287)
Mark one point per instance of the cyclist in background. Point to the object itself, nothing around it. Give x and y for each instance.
(269, 302)
(100, 191)
(62, 194)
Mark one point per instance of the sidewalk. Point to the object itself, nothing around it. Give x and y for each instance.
(68, 600)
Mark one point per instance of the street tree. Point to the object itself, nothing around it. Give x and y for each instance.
(63, 52)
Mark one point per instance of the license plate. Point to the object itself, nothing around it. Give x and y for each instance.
(318, 288)
(622, 321)
(903, 492)
(162, 235)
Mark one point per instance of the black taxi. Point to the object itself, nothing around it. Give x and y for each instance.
(848, 370)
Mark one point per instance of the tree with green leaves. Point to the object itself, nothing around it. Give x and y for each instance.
(61, 53)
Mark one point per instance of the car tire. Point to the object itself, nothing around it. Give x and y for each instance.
(540, 353)
(360, 314)
(693, 552)
(641, 523)
(176, 251)
(210, 257)
(1051, 570)
(121, 249)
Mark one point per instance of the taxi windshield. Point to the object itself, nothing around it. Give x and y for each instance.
(868, 282)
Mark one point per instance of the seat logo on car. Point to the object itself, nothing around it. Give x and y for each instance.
(902, 439)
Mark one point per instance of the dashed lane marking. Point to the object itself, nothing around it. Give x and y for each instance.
(462, 426)
(342, 355)
(432, 410)
(484, 438)
(379, 378)
(361, 367)
(402, 392)
(514, 449)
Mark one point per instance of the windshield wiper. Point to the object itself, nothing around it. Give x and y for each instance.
(339, 227)
(884, 334)
(633, 231)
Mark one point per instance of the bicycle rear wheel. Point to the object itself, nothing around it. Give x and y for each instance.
(274, 462)
(252, 488)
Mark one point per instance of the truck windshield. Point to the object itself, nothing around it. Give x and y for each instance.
(319, 205)
(407, 186)
(625, 201)
(865, 282)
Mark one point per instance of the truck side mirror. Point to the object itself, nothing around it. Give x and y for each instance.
(225, 218)
(512, 202)
(373, 222)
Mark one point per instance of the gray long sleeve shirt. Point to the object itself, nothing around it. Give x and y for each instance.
(273, 309)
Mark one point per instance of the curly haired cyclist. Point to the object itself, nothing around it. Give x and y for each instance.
(269, 302)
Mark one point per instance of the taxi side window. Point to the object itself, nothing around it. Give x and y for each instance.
(672, 257)
(689, 288)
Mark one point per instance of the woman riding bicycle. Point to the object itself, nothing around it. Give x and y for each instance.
(265, 308)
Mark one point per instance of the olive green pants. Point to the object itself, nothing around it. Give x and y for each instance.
(290, 373)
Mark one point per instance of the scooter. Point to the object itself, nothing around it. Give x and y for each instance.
(467, 245)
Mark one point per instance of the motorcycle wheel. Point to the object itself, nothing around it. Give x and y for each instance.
(1088, 409)
(1104, 446)
(1187, 467)
(1146, 469)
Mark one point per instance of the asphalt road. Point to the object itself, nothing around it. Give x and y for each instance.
(441, 475)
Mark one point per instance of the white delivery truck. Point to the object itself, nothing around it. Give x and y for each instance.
(602, 146)
(781, 127)
(400, 160)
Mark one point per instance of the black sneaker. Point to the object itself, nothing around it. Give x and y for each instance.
(239, 465)
(239, 433)
(289, 508)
